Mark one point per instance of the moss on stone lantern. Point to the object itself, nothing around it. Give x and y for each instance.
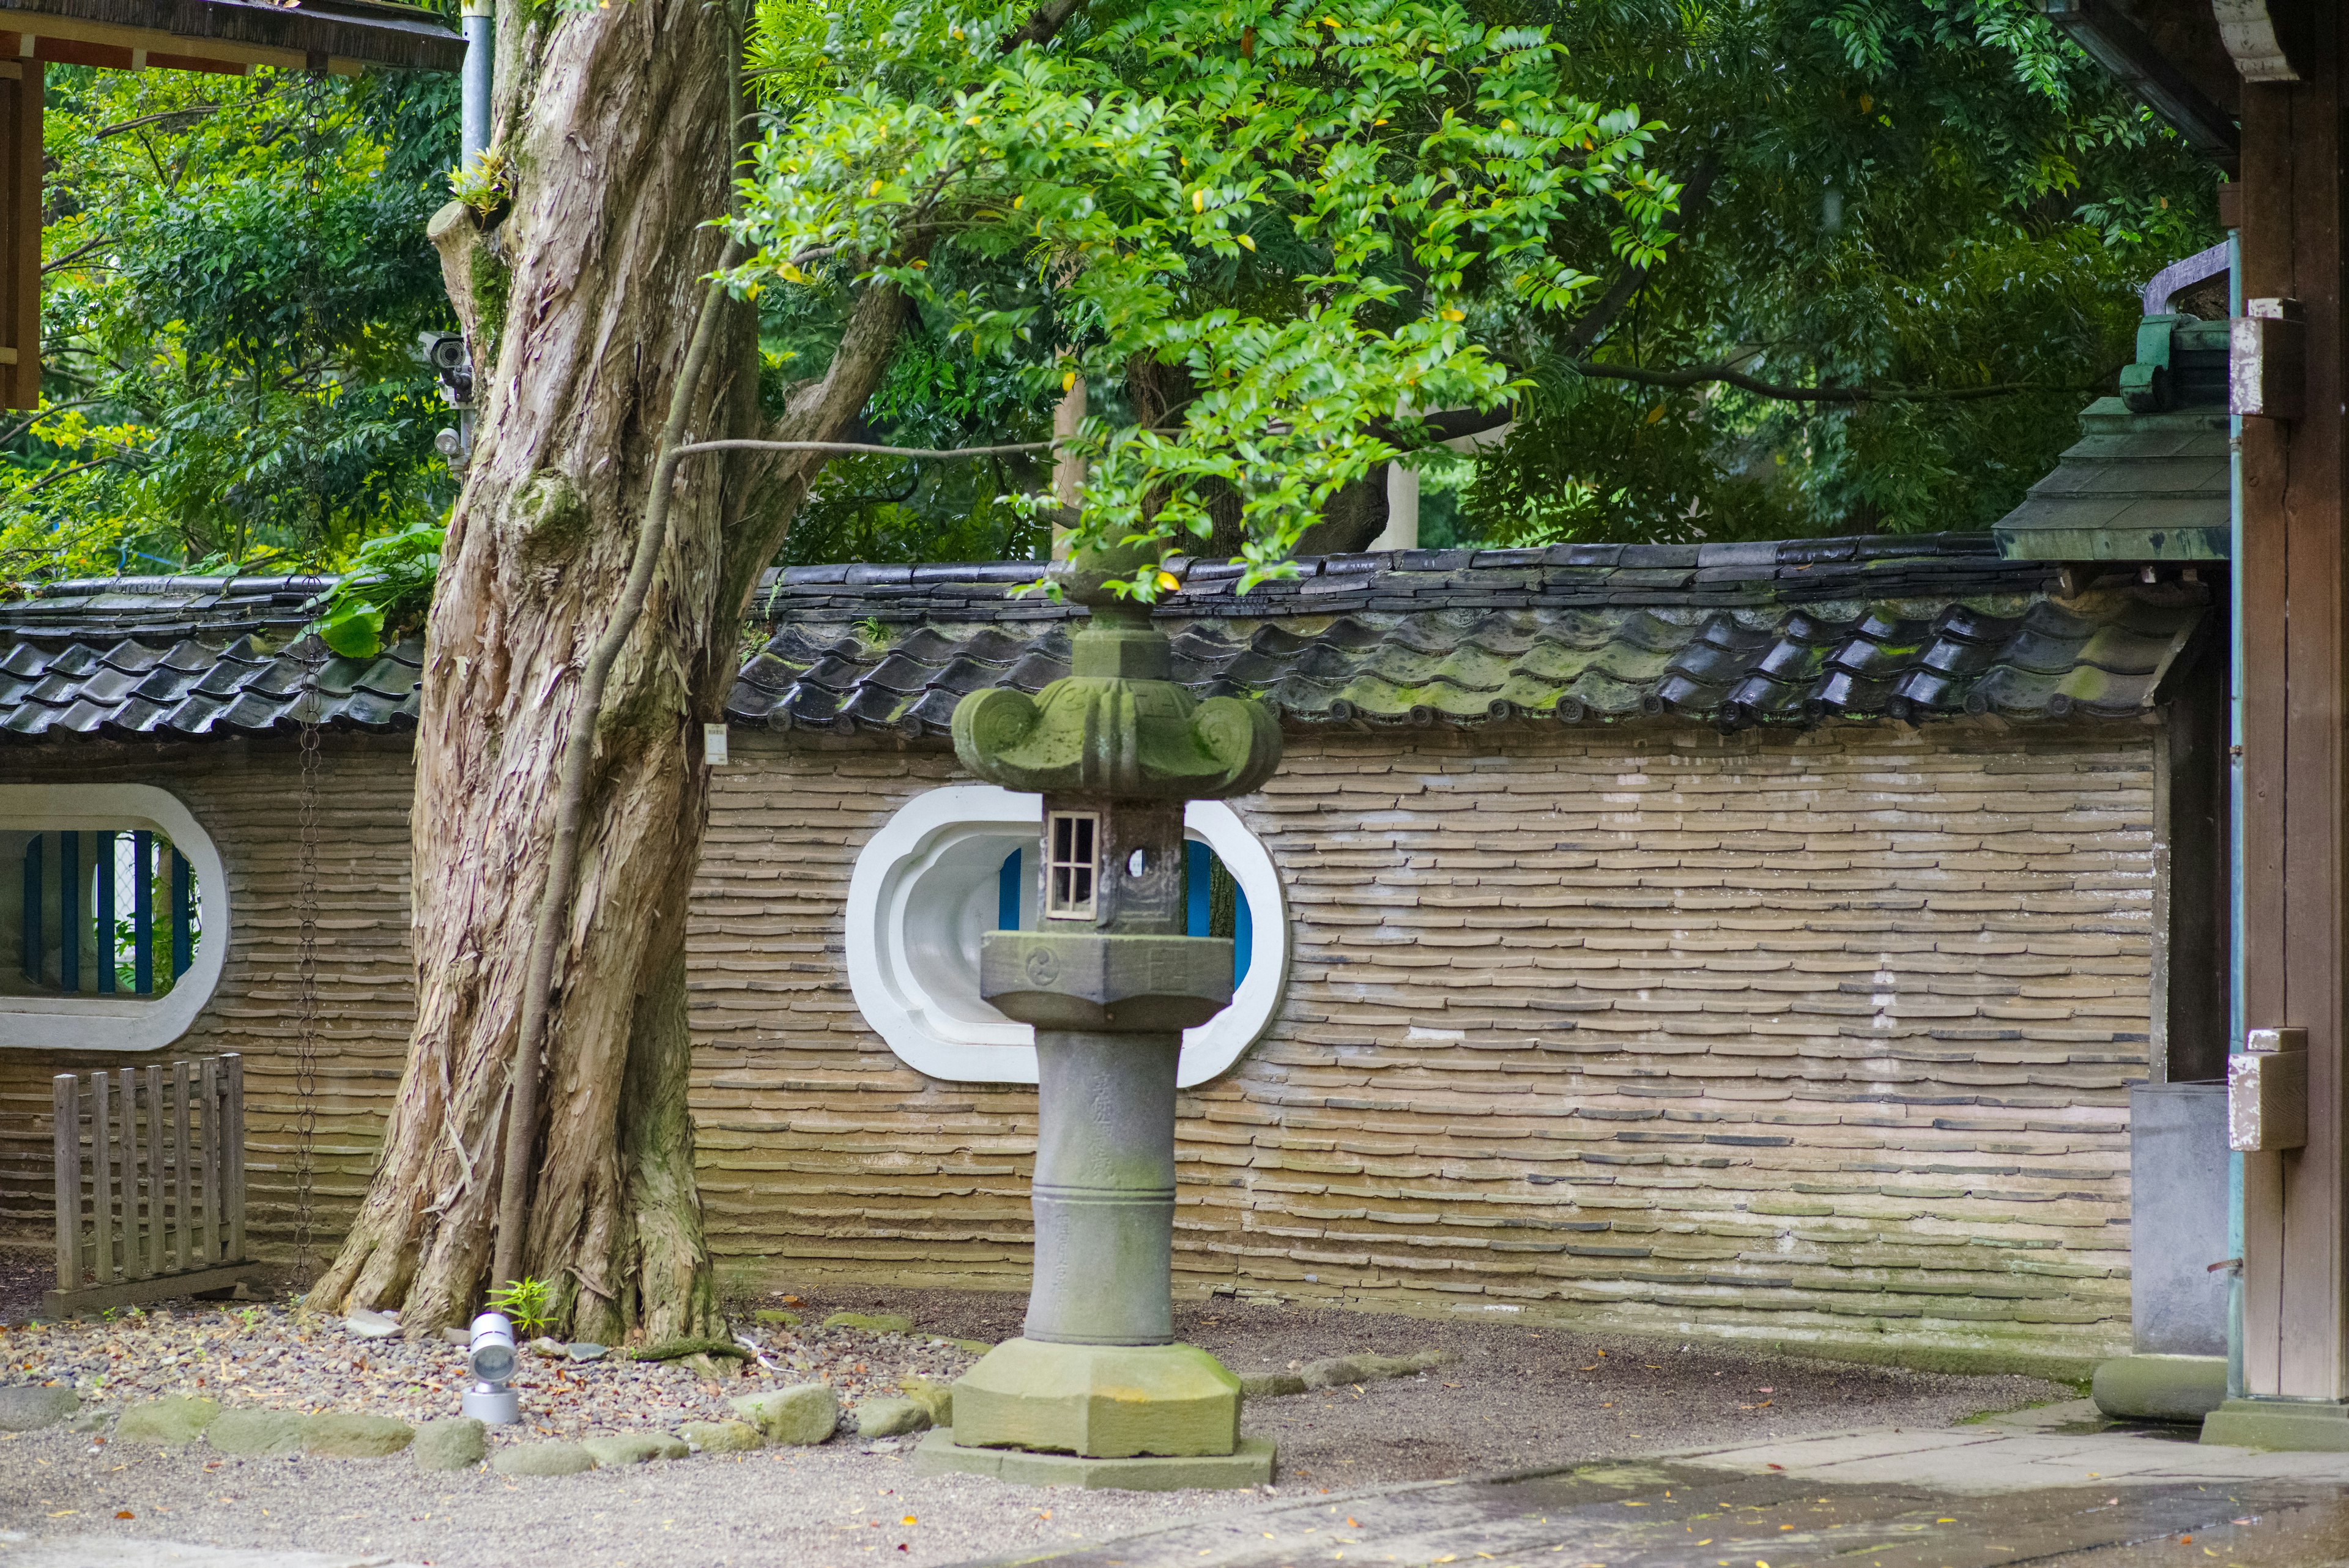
(1096, 1391)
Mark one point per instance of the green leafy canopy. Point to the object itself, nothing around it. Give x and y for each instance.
(386, 591)
(1310, 209)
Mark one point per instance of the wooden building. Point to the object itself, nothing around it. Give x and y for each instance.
(1754, 940)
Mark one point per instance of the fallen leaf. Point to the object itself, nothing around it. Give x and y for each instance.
(909, 1520)
(124, 1514)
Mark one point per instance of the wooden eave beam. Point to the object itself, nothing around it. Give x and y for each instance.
(2117, 44)
(341, 38)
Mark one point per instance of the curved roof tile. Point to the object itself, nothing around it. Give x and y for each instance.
(1913, 628)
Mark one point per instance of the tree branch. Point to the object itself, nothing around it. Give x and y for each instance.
(1702, 375)
(1627, 284)
(70, 257)
(864, 448)
(193, 111)
(1046, 21)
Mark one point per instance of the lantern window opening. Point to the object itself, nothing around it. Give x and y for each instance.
(1071, 865)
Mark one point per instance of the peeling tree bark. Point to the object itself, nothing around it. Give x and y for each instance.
(614, 122)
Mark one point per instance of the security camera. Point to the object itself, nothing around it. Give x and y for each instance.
(452, 362)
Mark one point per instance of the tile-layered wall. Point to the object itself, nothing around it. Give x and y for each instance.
(1814, 1037)
(1818, 1037)
(247, 796)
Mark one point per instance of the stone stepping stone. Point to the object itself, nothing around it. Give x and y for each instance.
(872, 1321)
(270, 1434)
(634, 1448)
(458, 1443)
(340, 1435)
(890, 1416)
(29, 1406)
(804, 1414)
(721, 1437)
(935, 1398)
(542, 1460)
(170, 1422)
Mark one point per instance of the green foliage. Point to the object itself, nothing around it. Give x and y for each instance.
(1931, 194)
(236, 279)
(1317, 213)
(383, 593)
(1283, 204)
(527, 1304)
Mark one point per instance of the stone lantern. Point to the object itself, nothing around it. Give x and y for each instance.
(1096, 1391)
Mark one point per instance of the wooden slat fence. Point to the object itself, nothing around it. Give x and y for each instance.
(150, 1184)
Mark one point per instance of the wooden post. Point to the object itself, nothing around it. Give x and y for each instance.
(208, 1090)
(157, 1259)
(2295, 571)
(183, 1230)
(233, 1065)
(66, 1094)
(20, 233)
(134, 1254)
(101, 1185)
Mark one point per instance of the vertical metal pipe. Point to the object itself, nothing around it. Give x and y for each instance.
(2235, 1019)
(183, 915)
(69, 911)
(142, 912)
(33, 965)
(473, 132)
(105, 913)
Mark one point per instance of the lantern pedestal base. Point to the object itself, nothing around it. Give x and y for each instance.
(1251, 1465)
(1099, 1401)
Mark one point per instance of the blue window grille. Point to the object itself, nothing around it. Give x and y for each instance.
(1201, 870)
(92, 905)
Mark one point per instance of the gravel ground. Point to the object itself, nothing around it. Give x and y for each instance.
(264, 1355)
(1513, 1399)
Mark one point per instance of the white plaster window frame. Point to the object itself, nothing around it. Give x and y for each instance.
(119, 1022)
(894, 930)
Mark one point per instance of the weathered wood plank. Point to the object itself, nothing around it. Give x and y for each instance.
(101, 1185)
(183, 1230)
(134, 1292)
(212, 1151)
(65, 1125)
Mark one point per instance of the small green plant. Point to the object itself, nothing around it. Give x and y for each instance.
(527, 1302)
(485, 184)
(386, 592)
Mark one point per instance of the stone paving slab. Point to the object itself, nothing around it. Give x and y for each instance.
(1679, 1517)
(2003, 1461)
(1966, 1497)
(21, 1551)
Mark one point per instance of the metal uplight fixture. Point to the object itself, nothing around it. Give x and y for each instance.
(491, 1362)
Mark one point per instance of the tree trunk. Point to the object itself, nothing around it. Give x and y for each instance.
(614, 122)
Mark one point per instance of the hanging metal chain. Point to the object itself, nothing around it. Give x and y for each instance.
(305, 966)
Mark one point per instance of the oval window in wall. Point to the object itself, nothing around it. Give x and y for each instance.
(113, 916)
(958, 862)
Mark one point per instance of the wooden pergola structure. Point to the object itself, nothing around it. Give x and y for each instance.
(2258, 85)
(226, 37)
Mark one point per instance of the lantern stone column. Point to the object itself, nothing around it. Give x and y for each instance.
(1096, 1391)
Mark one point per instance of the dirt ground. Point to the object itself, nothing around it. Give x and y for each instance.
(1514, 1398)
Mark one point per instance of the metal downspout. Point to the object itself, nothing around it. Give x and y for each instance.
(473, 135)
(2235, 1019)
